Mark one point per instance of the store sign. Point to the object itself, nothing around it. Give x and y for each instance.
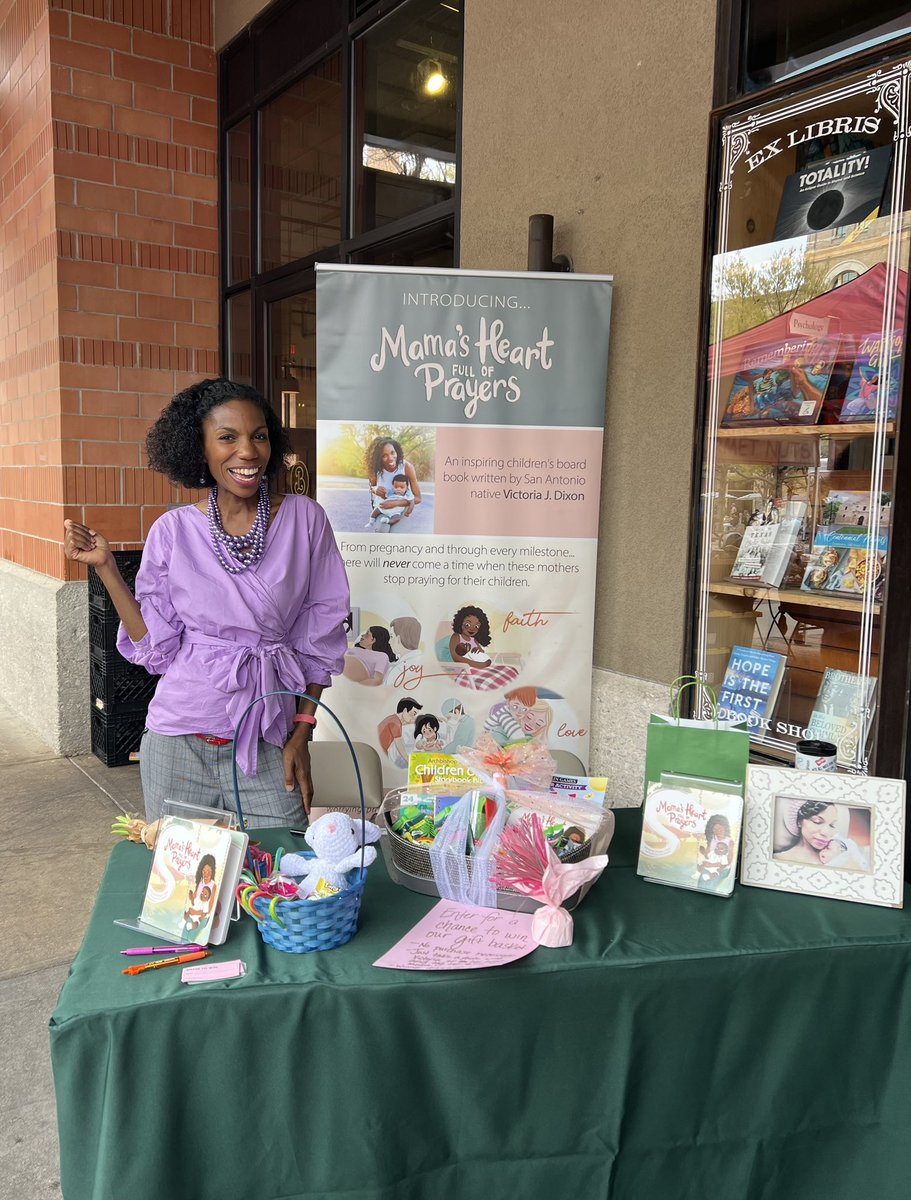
(459, 447)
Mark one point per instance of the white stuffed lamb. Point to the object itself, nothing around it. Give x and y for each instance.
(336, 838)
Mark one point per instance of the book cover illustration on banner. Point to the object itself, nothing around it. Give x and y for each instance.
(839, 710)
(833, 192)
(782, 383)
(768, 542)
(750, 687)
(183, 894)
(868, 380)
(844, 561)
(691, 833)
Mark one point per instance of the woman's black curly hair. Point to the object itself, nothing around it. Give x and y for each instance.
(482, 637)
(174, 444)
(374, 456)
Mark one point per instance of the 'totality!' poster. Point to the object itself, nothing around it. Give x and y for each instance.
(459, 446)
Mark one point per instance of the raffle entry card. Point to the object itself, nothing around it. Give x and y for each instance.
(456, 937)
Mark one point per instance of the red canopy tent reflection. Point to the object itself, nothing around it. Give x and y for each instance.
(852, 310)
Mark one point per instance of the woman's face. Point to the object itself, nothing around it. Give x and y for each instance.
(390, 458)
(817, 831)
(470, 625)
(236, 445)
(716, 830)
(367, 641)
(207, 874)
(533, 721)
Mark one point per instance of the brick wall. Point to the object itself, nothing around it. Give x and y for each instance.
(112, 299)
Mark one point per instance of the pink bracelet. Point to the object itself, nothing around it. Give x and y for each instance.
(305, 719)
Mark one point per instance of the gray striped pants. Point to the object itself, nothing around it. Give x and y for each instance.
(187, 769)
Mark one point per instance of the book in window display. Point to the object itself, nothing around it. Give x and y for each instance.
(750, 688)
(768, 544)
(782, 383)
(838, 714)
(844, 561)
(869, 379)
(833, 192)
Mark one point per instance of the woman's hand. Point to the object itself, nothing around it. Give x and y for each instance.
(84, 545)
(296, 761)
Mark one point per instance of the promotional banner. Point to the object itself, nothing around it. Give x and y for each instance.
(459, 448)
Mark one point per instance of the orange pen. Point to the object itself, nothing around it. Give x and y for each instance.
(166, 962)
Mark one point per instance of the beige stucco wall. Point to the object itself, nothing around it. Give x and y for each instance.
(597, 112)
(231, 16)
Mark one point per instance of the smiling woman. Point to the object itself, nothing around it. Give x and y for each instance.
(237, 596)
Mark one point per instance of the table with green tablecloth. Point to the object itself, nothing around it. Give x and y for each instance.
(754, 1048)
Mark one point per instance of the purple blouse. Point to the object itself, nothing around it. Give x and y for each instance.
(219, 640)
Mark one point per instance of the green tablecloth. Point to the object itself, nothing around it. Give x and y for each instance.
(757, 1048)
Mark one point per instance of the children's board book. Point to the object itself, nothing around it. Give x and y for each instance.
(872, 381)
(782, 383)
(425, 768)
(750, 686)
(844, 560)
(691, 833)
(839, 712)
(195, 869)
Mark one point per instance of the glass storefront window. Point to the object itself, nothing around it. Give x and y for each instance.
(406, 84)
(240, 338)
(786, 38)
(802, 412)
(301, 139)
(238, 223)
(292, 379)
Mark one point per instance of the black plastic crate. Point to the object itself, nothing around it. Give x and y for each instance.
(128, 564)
(118, 685)
(103, 626)
(116, 736)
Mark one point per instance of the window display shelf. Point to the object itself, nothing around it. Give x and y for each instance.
(801, 541)
(790, 596)
(805, 431)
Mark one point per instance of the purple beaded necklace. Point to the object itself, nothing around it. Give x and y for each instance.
(238, 554)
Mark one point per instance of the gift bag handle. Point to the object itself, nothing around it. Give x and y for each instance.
(681, 683)
(325, 707)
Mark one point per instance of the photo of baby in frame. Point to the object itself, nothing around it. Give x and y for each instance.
(824, 833)
(821, 833)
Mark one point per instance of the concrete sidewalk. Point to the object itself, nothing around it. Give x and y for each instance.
(55, 837)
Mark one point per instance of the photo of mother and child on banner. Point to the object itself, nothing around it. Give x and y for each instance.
(377, 478)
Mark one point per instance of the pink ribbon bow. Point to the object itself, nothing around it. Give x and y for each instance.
(526, 862)
(529, 764)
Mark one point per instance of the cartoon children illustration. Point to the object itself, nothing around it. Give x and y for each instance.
(427, 733)
(515, 718)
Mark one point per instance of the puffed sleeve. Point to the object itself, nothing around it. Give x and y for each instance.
(157, 649)
(318, 635)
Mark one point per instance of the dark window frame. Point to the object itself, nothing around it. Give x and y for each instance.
(242, 93)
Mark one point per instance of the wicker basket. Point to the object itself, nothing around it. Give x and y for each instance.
(299, 926)
(409, 864)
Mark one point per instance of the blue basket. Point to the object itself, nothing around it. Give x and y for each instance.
(299, 926)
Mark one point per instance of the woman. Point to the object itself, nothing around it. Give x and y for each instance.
(812, 826)
(385, 460)
(241, 594)
(470, 637)
(375, 652)
(715, 854)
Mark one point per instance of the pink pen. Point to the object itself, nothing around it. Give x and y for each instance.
(188, 946)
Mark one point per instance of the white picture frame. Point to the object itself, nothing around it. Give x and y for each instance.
(850, 849)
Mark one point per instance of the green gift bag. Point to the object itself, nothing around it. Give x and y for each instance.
(708, 747)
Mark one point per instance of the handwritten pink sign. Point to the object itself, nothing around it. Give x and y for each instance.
(457, 937)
